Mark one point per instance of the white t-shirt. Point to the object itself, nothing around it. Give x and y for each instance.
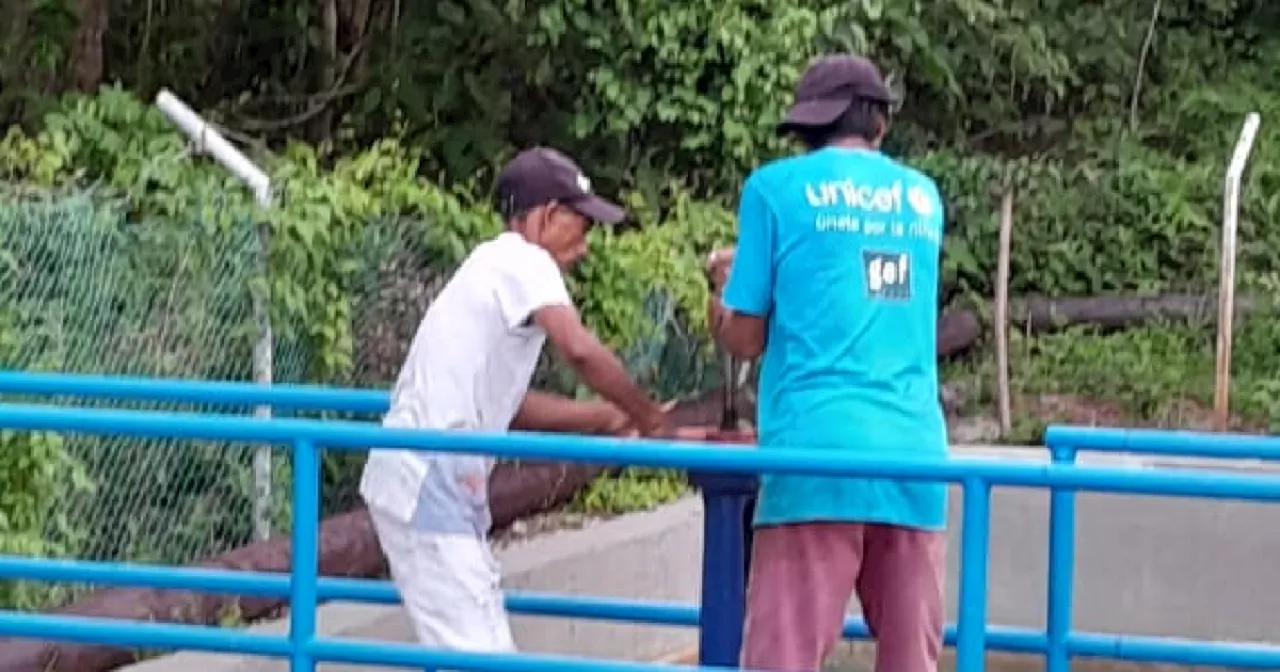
(468, 369)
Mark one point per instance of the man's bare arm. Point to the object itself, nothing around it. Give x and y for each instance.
(742, 335)
(546, 412)
(599, 367)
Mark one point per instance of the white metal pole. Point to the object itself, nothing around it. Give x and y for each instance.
(1227, 269)
(207, 140)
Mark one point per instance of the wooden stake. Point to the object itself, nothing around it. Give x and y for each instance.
(1002, 312)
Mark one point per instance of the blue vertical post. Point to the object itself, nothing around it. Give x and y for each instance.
(975, 537)
(725, 556)
(305, 563)
(1061, 579)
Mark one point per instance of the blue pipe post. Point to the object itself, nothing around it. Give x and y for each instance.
(728, 500)
(975, 540)
(1062, 557)
(305, 564)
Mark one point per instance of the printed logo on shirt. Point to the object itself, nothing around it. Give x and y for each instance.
(887, 274)
(849, 194)
(921, 201)
(869, 199)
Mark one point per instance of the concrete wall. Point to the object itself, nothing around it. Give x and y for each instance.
(1145, 565)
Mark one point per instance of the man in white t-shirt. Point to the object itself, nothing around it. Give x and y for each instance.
(469, 369)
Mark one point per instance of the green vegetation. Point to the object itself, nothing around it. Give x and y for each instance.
(382, 122)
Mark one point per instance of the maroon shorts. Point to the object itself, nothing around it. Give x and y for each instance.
(804, 575)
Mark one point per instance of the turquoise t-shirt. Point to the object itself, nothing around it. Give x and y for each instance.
(839, 249)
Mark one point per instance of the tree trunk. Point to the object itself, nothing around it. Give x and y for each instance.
(960, 329)
(321, 125)
(85, 68)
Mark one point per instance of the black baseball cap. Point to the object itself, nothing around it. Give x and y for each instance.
(540, 175)
(829, 86)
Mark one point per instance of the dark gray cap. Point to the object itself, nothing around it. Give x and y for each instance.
(829, 86)
(541, 175)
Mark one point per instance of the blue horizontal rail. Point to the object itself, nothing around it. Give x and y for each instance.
(262, 584)
(291, 397)
(350, 435)
(1165, 442)
(222, 394)
(268, 584)
(1139, 649)
(173, 637)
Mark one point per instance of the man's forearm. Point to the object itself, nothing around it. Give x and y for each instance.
(742, 335)
(546, 412)
(603, 372)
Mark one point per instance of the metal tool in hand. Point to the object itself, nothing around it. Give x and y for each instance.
(730, 367)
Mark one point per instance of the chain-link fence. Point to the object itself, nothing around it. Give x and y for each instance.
(86, 289)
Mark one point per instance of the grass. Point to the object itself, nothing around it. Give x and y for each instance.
(1159, 375)
(630, 489)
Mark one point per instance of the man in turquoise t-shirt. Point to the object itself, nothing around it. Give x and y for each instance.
(834, 281)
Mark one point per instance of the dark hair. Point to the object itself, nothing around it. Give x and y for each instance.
(864, 119)
(510, 220)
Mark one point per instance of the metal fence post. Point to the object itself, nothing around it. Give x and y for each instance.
(305, 564)
(975, 538)
(1062, 555)
(727, 502)
(1227, 270)
(205, 139)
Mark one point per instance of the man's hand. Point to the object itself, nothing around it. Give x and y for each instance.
(719, 262)
(658, 425)
(613, 420)
(546, 412)
(699, 434)
(741, 335)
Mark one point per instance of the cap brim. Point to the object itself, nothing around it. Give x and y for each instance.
(825, 111)
(599, 210)
(813, 113)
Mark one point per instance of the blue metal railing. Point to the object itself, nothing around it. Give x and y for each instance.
(1065, 444)
(1058, 643)
(171, 391)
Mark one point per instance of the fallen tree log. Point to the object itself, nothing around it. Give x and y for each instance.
(348, 548)
(960, 329)
(957, 332)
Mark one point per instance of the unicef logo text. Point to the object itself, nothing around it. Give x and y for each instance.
(866, 198)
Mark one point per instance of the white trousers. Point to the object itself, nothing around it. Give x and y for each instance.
(449, 584)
